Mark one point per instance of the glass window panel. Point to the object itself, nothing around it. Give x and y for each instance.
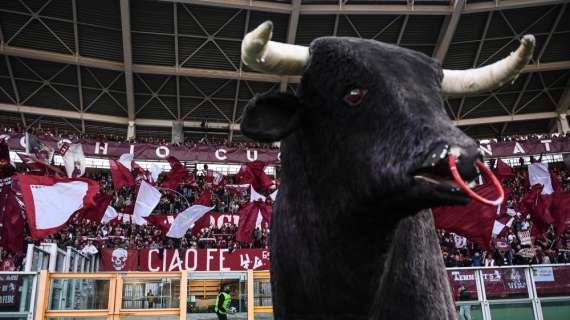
(552, 281)
(262, 292)
(466, 278)
(151, 293)
(468, 311)
(511, 311)
(263, 316)
(555, 310)
(15, 292)
(78, 294)
(505, 283)
(202, 296)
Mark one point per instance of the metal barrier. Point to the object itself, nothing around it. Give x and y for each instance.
(47, 256)
(539, 292)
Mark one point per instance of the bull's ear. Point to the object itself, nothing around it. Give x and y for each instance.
(270, 117)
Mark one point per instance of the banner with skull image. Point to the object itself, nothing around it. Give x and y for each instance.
(119, 259)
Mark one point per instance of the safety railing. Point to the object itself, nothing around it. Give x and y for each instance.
(539, 292)
(47, 256)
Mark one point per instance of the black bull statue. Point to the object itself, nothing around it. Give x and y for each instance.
(352, 236)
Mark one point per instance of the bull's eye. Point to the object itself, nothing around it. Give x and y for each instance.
(354, 96)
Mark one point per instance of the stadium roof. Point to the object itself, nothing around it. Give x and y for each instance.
(98, 65)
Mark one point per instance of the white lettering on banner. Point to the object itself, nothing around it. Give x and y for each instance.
(518, 148)
(249, 156)
(209, 257)
(150, 252)
(491, 277)
(195, 264)
(244, 260)
(279, 156)
(222, 258)
(132, 149)
(546, 144)
(162, 152)
(218, 154)
(4, 137)
(176, 262)
(101, 148)
(22, 142)
(484, 150)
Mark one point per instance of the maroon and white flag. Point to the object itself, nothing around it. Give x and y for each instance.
(474, 221)
(186, 219)
(12, 232)
(74, 161)
(97, 212)
(148, 198)
(120, 175)
(51, 201)
(215, 178)
(178, 174)
(252, 173)
(40, 166)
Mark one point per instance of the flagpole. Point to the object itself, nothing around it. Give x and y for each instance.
(178, 193)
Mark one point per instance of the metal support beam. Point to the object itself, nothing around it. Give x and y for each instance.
(367, 9)
(194, 72)
(563, 106)
(241, 4)
(128, 66)
(54, 112)
(496, 5)
(509, 118)
(291, 35)
(384, 9)
(448, 31)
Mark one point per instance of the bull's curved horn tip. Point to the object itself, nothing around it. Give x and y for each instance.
(528, 40)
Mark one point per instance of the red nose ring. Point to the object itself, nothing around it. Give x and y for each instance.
(452, 161)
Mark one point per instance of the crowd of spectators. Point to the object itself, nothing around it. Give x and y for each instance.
(193, 140)
(90, 236)
(529, 137)
(510, 248)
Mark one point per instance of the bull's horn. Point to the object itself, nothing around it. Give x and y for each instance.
(264, 55)
(460, 82)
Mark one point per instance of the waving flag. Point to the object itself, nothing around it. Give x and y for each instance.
(39, 166)
(12, 232)
(51, 201)
(120, 175)
(474, 221)
(538, 174)
(178, 174)
(142, 174)
(97, 212)
(148, 198)
(215, 178)
(249, 219)
(126, 159)
(6, 167)
(74, 161)
(186, 219)
(252, 173)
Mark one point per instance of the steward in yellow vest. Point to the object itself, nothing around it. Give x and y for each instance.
(223, 301)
